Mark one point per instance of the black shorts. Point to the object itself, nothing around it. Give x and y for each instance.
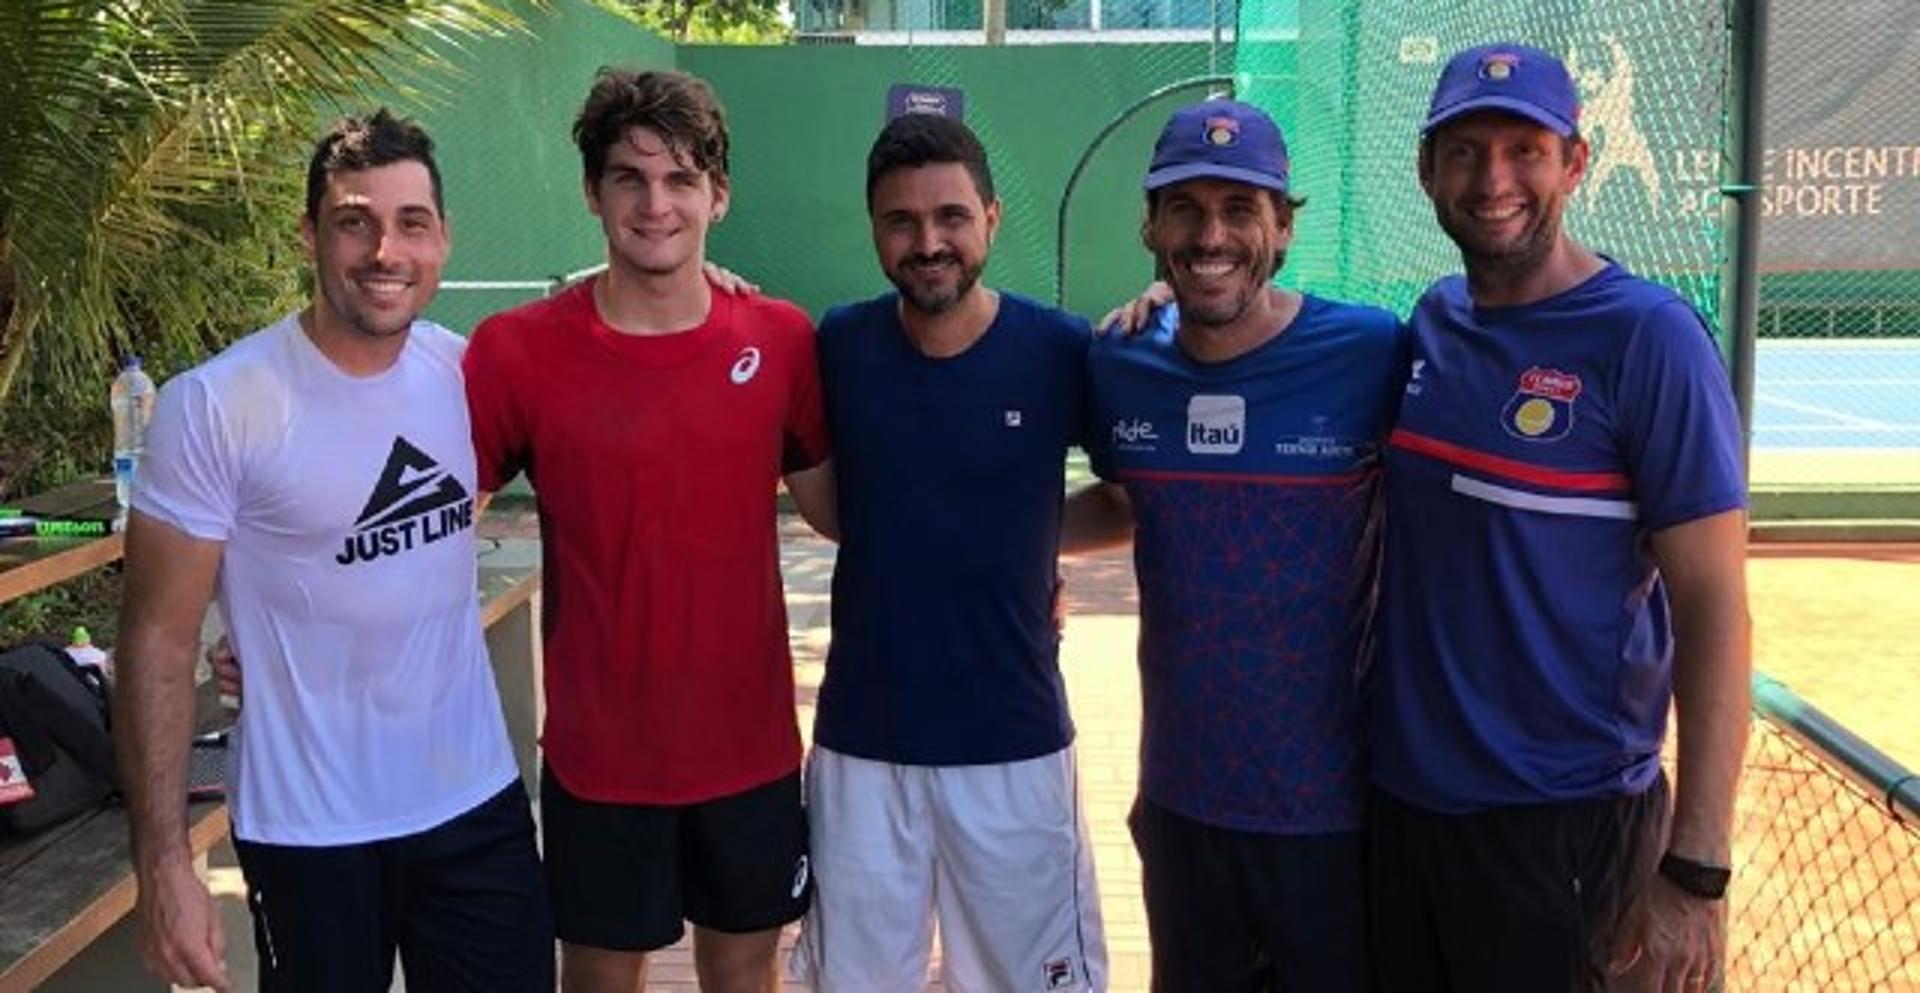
(1517, 898)
(1238, 912)
(464, 903)
(625, 876)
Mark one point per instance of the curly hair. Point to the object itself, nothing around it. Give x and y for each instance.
(680, 108)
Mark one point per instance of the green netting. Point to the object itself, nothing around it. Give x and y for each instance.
(1838, 360)
(1839, 355)
(1837, 384)
(804, 116)
(1353, 89)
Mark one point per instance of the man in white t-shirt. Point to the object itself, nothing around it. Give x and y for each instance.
(318, 477)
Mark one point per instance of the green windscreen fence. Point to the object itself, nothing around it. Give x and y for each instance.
(1837, 372)
(1352, 91)
(804, 116)
(1837, 381)
(1069, 108)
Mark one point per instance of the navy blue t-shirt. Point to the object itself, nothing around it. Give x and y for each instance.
(951, 473)
(1526, 651)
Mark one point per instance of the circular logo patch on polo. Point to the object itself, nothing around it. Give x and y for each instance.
(1534, 418)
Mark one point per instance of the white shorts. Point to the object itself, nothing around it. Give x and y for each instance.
(998, 853)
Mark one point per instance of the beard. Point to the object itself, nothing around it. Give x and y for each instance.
(1218, 314)
(1487, 257)
(930, 299)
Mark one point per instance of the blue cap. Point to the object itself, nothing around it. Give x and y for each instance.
(1220, 139)
(1516, 79)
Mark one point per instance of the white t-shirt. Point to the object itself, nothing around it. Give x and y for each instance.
(347, 581)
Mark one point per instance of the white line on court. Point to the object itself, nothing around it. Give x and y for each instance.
(1772, 382)
(1865, 423)
(1841, 429)
(1837, 344)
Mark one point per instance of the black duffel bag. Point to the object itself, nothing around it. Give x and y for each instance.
(54, 724)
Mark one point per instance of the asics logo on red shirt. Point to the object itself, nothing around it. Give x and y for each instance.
(745, 366)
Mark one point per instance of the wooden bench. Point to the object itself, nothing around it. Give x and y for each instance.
(62, 889)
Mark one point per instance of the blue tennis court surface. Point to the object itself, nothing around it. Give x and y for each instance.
(1837, 395)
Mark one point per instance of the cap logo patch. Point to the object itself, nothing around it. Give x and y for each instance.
(1498, 67)
(1222, 131)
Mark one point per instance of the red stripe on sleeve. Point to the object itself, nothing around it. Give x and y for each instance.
(1467, 458)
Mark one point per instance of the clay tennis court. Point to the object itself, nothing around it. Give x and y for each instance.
(1829, 895)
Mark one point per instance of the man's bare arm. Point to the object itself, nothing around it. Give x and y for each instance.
(169, 582)
(815, 496)
(1097, 516)
(1704, 566)
(1682, 938)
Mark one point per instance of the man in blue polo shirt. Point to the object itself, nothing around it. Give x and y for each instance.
(1565, 556)
(1239, 444)
(942, 784)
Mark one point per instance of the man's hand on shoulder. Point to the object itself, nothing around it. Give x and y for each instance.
(1136, 315)
(727, 281)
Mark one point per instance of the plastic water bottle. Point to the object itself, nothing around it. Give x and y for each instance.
(131, 398)
(83, 652)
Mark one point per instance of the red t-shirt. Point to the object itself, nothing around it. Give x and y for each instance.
(654, 460)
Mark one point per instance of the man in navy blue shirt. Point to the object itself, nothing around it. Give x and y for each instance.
(1240, 447)
(1565, 556)
(942, 780)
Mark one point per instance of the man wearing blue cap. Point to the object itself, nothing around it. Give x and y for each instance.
(1242, 439)
(1564, 558)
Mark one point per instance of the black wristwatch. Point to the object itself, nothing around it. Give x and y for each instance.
(1698, 879)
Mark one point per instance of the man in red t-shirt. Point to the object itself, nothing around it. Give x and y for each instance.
(654, 417)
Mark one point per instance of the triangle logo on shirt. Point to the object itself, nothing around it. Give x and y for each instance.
(415, 503)
(399, 493)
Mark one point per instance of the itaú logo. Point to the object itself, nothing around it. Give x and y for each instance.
(1216, 425)
(745, 366)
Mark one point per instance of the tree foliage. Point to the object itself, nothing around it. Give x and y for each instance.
(726, 22)
(151, 159)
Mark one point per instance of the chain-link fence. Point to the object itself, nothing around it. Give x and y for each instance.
(1838, 372)
(1352, 91)
(1827, 893)
(1837, 383)
(803, 118)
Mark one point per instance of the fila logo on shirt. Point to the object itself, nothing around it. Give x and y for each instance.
(745, 366)
(415, 503)
(1541, 408)
(1057, 974)
(1216, 424)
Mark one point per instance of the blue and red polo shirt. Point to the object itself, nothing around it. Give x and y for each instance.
(1526, 646)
